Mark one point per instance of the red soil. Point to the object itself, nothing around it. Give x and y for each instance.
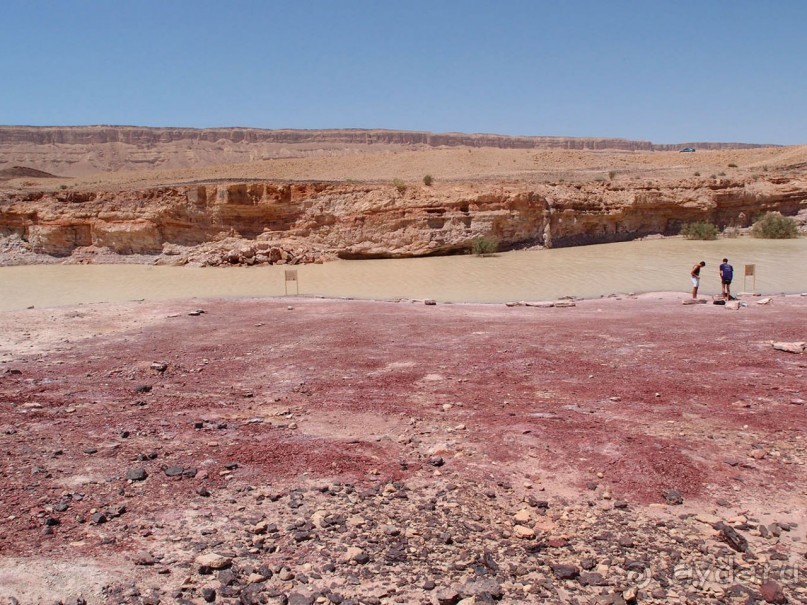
(649, 393)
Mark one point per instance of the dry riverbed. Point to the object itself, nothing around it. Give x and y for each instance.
(297, 451)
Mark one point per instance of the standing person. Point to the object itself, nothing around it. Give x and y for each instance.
(695, 274)
(726, 275)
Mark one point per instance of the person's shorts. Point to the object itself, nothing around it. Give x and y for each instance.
(726, 282)
(696, 282)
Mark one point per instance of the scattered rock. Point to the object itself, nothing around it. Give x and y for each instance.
(481, 588)
(436, 461)
(730, 536)
(144, 558)
(790, 347)
(98, 518)
(356, 554)
(136, 474)
(522, 532)
(672, 497)
(772, 592)
(173, 471)
(214, 561)
(563, 571)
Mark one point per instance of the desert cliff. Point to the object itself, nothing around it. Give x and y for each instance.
(245, 196)
(86, 150)
(264, 221)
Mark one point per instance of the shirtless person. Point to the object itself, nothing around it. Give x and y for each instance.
(695, 274)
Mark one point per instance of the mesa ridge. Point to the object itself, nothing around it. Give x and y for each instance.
(246, 196)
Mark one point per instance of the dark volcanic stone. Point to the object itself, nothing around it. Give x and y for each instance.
(227, 577)
(729, 535)
(563, 571)
(672, 496)
(447, 596)
(136, 474)
(362, 558)
(297, 598)
(592, 579)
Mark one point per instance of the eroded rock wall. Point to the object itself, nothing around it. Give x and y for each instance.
(134, 135)
(378, 221)
(94, 135)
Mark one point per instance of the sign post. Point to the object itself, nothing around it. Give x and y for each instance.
(291, 275)
(750, 271)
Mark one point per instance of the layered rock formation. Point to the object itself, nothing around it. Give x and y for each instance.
(85, 150)
(236, 222)
(134, 135)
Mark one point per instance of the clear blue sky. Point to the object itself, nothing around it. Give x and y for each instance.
(667, 71)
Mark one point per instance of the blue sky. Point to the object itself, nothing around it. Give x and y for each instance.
(666, 71)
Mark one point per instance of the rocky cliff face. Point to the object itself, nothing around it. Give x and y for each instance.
(88, 150)
(281, 222)
(132, 135)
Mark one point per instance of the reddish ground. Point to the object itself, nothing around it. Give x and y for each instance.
(648, 393)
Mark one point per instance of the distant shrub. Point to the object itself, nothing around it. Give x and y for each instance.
(63, 187)
(399, 185)
(775, 226)
(697, 174)
(611, 175)
(721, 174)
(732, 165)
(428, 180)
(482, 246)
(699, 230)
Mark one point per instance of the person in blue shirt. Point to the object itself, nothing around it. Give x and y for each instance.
(726, 275)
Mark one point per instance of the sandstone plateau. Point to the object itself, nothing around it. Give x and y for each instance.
(306, 196)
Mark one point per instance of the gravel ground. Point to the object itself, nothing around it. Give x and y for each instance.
(297, 451)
